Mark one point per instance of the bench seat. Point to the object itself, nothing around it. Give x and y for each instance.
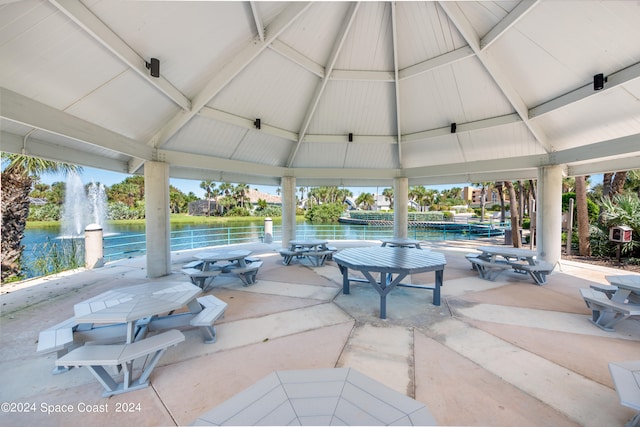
(287, 255)
(194, 264)
(538, 271)
(58, 338)
(318, 257)
(471, 256)
(213, 309)
(489, 270)
(608, 290)
(96, 357)
(605, 312)
(247, 274)
(199, 277)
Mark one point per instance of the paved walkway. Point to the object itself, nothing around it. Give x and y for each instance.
(500, 353)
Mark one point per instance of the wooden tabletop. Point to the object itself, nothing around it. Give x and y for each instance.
(628, 281)
(390, 260)
(508, 251)
(223, 255)
(307, 242)
(135, 302)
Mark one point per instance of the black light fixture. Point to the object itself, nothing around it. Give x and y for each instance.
(154, 67)
(453, 127)
(350, 137)
(256, 123)
(599, 81)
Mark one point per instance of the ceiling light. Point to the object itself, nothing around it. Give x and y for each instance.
(154, 67)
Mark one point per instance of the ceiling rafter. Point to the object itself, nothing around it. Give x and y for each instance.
(12, 143)
(229, 71)
(461, 23)
(436, 62)
(313, 67)
(257, 19)
(518, 12)
(90, 23)
(20, 109)
(337, 46)
(247, 123)
(616, 79)
(396, 82)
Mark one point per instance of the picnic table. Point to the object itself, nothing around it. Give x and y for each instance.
(138, 307)
(628, 288)
(237, 263)
(388, 262)
(611, 304)
(493, 260)
(401, 243)
(209, 259)
(132, 304)
(316, 250)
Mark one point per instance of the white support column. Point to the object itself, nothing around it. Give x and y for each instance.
(288, 188)
(549, 213)
(158, 226)
(400, 207)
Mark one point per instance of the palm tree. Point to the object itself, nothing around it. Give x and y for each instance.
(513, 207)
(241, 193)
(484, 188)
(17, 178)
(208, 186)
(366, 200)
(302, 190)
(388, 195)
(584, 242)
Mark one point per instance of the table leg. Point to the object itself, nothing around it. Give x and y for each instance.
(384, 287)
(436, 290)
(194, 306)
(131, 332)
(345, 279)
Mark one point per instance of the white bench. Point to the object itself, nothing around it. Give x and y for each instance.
(199, 277)
(96, 357)
(194, 264)
(213, 309)
(538, 271)
(488, 270)
(605, 312)
(58, 338)
(471, 256)
(247, 274)
(626, 376)
(287, 255)
(608, 290)
(317, 258)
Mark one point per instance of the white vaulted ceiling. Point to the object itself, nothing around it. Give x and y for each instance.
(515, 76)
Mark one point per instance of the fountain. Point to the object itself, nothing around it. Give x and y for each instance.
(82, 208)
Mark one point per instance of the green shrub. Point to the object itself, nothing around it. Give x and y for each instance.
(327, 212)
(48, 212)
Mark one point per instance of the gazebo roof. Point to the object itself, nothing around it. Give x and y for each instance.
(345, 93)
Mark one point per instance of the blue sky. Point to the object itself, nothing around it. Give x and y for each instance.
(186, 185)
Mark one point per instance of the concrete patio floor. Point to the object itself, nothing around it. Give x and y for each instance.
(500, 353)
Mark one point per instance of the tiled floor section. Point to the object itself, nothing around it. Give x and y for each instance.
(500, 353)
